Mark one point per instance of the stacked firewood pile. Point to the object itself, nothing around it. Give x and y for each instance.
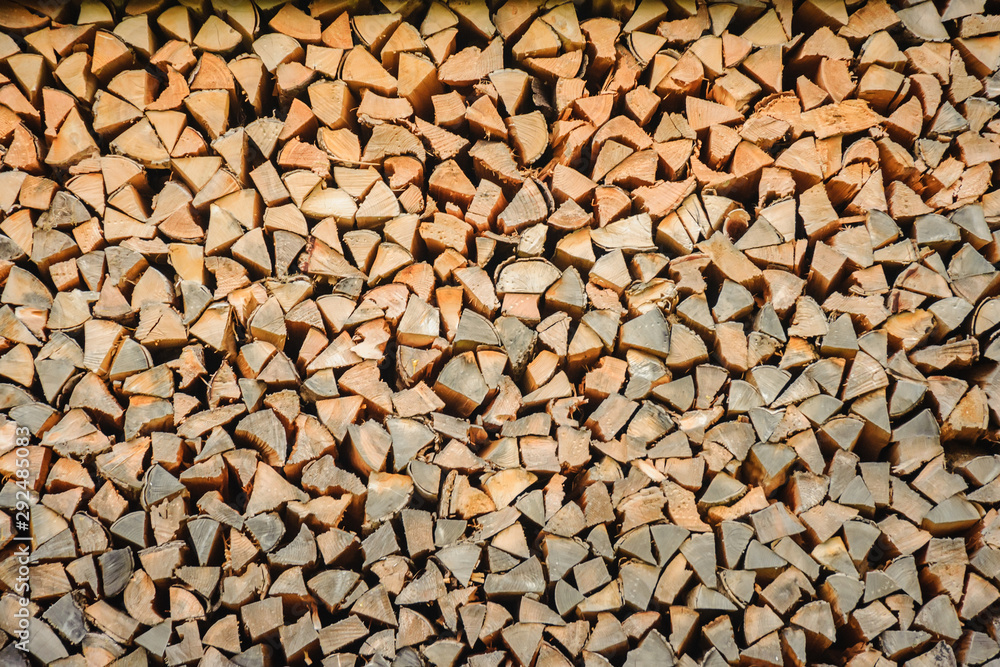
(529, 334)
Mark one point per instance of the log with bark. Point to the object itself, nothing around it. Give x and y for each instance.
(500, 333)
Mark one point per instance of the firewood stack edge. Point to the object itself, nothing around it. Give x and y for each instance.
(531, 334)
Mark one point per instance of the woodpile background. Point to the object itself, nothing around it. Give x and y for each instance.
(500, 333)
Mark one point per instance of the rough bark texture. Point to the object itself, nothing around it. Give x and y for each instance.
(522, 333)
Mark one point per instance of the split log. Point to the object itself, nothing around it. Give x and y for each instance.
(501, 332)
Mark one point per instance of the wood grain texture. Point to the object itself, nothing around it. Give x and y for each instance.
(501, 333)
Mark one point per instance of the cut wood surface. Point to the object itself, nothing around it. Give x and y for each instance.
(500, 333)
